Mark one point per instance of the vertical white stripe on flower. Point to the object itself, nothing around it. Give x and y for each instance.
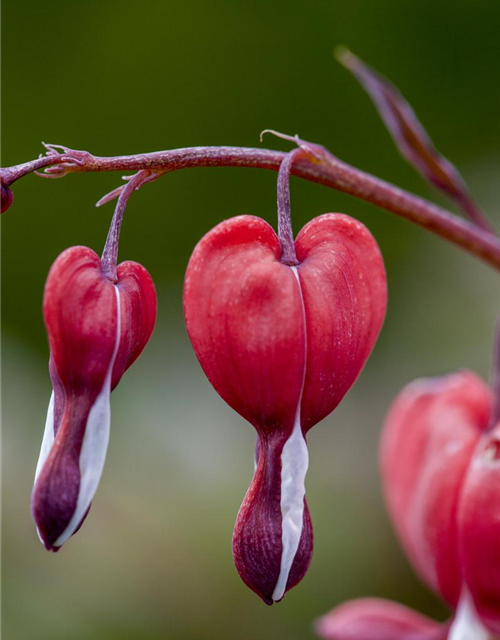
(47, 442)
(294, 464)
(467, 625)
(48, 438)
(95, 442)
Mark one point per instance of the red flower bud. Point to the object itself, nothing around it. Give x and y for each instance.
(282, 345)
(96, 329)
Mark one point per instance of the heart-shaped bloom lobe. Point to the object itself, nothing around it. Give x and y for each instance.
(375, 619)
(96, 329)
(479, 524)
(429, 438)
(282, 345)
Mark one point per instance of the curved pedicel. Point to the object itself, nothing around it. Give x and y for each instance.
(282, 345)
(96, 329)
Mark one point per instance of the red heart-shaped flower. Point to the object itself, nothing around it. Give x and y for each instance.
(96, 329)
(282, 345)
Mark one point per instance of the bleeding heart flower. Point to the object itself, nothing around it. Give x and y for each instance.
(282, 345)
(441, 474)
(97, 326)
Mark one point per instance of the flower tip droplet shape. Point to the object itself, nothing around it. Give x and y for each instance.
(282, 345)
(96, 329)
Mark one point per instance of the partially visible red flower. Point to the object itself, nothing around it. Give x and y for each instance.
(375, 619)
(441, 476)
(96, 328)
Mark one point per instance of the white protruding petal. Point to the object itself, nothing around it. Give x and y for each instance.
(95, 443)
(294, 464)
(48, 437)
(467, 625)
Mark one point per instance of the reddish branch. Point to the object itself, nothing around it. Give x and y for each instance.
(324, 169)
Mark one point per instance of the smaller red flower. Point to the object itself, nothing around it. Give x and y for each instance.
(97, 327)
(440, 462)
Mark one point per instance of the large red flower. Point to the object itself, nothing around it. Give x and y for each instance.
(282, 345)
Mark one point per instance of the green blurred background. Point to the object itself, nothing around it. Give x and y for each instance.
(153, 560)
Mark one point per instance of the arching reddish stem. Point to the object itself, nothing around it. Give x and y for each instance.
(330, 172)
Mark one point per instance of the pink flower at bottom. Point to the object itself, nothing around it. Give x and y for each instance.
(440, 463)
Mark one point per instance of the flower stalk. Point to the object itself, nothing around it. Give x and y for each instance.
(328, 171)
(110, 253)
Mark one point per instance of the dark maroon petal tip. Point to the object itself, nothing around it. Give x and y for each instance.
(273, 536)
(6, 196)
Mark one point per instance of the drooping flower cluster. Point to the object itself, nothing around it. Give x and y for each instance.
(440, 462)
(282, 327)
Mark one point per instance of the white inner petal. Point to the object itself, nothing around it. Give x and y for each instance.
(48, 437)
(95, 443)
(294, 463)
(47, 442)
(467, 625)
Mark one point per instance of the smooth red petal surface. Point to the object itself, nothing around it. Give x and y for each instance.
(344, 287)
(375, 619)
(138, 315)
(265, 333)
(429, 437)
(244, 317)
(80, 314)
(479, 521)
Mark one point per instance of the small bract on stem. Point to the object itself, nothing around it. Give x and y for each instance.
(412, 139)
